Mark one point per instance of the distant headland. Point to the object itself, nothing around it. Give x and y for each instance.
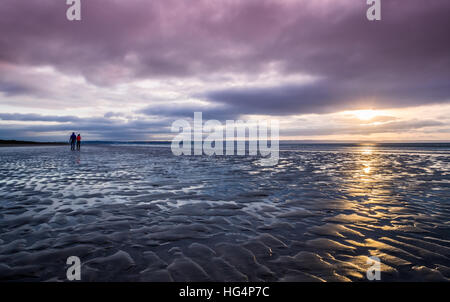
(16, 143)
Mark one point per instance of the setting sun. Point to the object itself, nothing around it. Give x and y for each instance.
(365, 115)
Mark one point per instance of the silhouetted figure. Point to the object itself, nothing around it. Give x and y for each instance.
(78, 142)
(73, 139)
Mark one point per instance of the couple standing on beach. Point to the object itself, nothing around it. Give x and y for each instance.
(75, 138)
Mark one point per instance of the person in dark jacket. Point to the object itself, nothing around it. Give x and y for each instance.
(73, 139)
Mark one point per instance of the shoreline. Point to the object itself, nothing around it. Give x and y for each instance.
(15, 143)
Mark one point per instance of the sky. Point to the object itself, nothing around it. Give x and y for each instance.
(128, 69)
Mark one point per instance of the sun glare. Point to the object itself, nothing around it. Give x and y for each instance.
(365, 115)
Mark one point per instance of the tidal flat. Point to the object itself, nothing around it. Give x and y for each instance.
(139, 213)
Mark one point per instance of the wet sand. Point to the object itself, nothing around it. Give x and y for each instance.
(138, 213)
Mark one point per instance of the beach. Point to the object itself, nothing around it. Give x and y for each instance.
(139, 213)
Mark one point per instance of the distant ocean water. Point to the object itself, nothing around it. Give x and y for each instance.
(291, 146)
(134, 213)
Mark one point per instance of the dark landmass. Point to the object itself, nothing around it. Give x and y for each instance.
(15, 143)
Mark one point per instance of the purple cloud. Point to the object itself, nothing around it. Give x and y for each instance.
(402, 60)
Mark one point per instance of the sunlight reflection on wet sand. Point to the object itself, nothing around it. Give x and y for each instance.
(142, 214)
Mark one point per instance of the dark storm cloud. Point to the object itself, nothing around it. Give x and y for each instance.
(10, 89)
(16, 81)
(220, 112)
(94, 127)
(36, 118)
(120, 39)
(403, 60)
(327, 96)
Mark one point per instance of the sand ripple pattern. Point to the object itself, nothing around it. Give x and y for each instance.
(140, 213)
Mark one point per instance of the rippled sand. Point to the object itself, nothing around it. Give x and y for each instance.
(139, 213)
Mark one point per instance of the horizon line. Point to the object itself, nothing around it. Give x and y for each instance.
(281, 141)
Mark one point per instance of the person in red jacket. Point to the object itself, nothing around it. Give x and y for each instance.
(78, 142)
